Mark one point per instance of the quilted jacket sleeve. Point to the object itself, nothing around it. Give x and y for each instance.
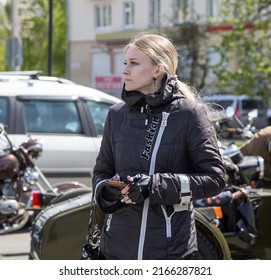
(207, 178)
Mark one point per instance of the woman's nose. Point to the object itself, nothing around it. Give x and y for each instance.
(125, 70)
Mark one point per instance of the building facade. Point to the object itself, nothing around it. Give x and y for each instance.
(98, 30)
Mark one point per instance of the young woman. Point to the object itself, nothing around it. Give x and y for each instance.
(160, 142)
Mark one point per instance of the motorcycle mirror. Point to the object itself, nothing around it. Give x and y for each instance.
(230, 112)
(252, 115)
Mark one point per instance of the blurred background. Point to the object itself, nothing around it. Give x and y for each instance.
(224, 46)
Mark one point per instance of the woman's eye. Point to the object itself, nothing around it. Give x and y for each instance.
(131, 63)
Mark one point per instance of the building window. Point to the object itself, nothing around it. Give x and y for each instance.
(213, 8)
(180, 10)
(103, 16)
(129, 14)
(182, 4)
(155, 12)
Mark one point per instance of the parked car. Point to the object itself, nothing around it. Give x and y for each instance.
(242, 104)
(67, 117)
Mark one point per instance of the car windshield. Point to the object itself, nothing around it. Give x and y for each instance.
(223, 103)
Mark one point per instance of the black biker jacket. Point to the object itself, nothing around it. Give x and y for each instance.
(168, 136)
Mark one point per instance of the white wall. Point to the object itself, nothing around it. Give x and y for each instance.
(119, 61)
(100, 62)
(81, 20)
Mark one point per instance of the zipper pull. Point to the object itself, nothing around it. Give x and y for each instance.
(148, 113)
(164, 118)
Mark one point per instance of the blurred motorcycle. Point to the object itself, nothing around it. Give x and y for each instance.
(241, 169)
(24, 190)
(15, 165)
(240, 202)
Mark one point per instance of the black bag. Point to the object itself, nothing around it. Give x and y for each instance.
(247, 222)
(91, 249)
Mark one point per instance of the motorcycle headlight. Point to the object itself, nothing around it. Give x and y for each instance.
(31, 177)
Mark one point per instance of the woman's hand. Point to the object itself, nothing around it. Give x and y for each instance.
(137, 190)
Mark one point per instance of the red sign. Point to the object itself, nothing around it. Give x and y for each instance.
(109, 84)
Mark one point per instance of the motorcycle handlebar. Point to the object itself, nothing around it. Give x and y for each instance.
(245, 132)
(233, 130)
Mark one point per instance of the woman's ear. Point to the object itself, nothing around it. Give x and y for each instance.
(159, 70)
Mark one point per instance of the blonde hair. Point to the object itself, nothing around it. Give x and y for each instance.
(161, 51)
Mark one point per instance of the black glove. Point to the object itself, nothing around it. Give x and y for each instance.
(110, 193)
(139, 188)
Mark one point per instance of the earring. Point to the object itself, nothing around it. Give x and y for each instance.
(154, 79)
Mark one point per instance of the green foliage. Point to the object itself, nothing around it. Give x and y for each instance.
(190, 39)
(36, 40)
(60, 38)
(34, 34)
(4, 34)
(247, 47)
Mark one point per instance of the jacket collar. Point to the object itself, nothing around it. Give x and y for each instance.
(168, 91)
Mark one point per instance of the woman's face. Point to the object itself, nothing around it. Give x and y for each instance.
(138, 71)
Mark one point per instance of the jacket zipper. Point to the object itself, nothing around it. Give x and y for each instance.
(151, 171)
(168, 221)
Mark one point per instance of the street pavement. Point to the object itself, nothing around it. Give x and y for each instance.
(15, 246)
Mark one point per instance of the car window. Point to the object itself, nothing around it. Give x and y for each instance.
(51, 117)
(4, 110)
(225, 103)
(98, 111)
(252, 104)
